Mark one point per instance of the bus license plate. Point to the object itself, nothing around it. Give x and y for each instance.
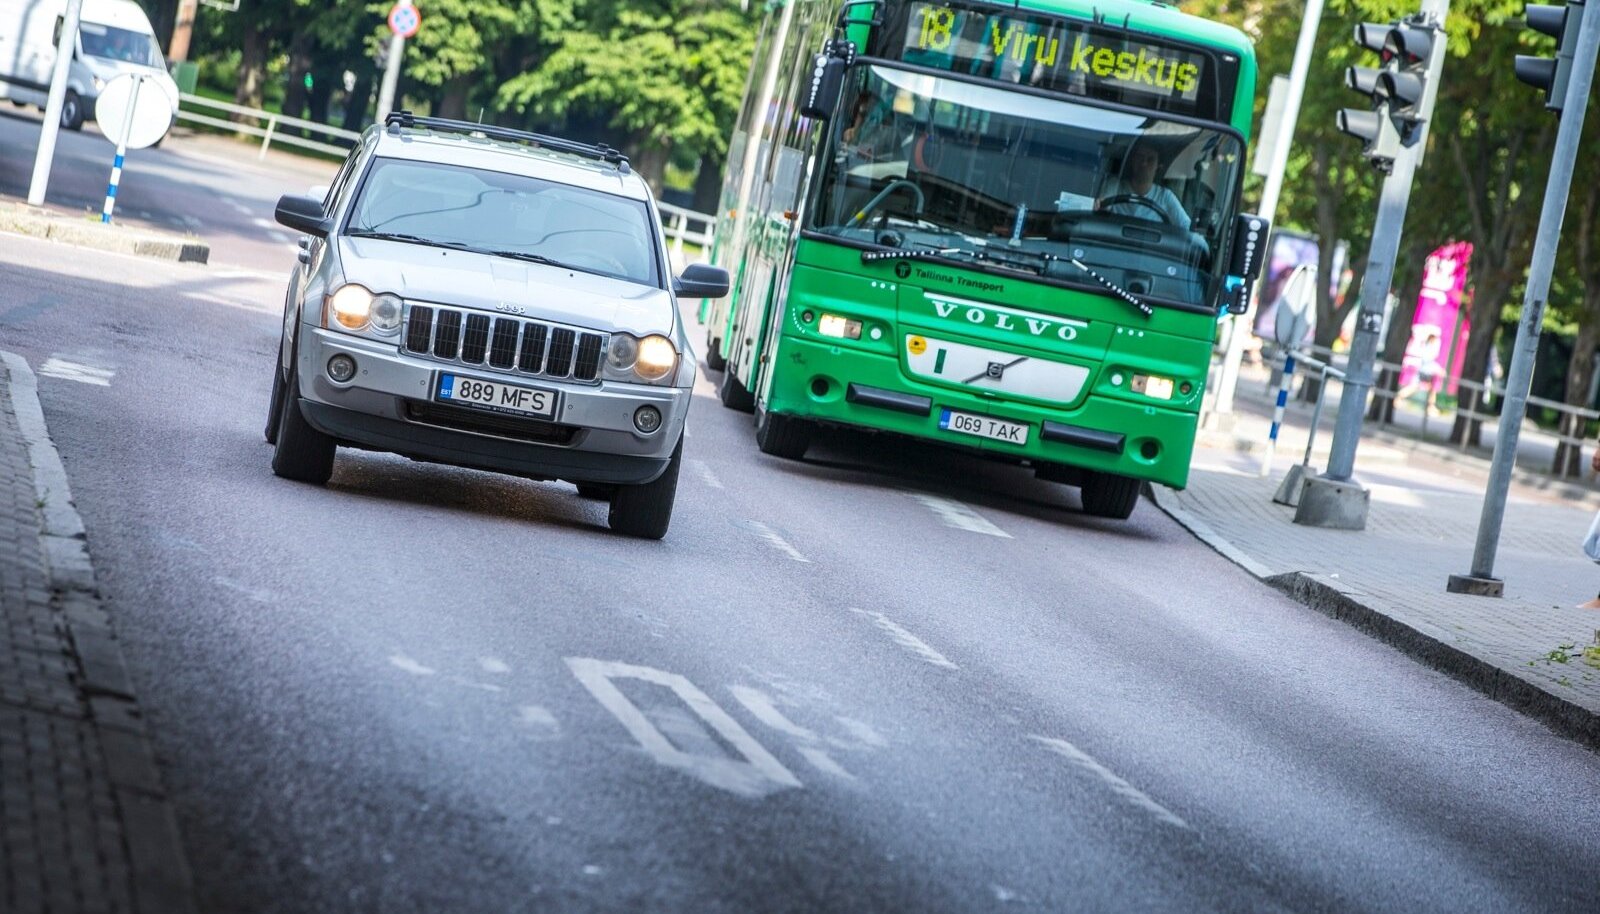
(493, 395)
(984, 427)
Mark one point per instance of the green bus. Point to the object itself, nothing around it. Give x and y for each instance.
(1008, 227)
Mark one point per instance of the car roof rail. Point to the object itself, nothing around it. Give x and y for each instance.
(600, 151)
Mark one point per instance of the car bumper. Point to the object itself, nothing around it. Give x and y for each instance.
(389, 406)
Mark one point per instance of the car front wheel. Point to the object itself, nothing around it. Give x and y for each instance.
(303, 453)
(646, 511)
(275, 401)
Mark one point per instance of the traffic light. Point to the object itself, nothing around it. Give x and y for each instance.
(1561, 23)
(1379, 139)
(1407, 49)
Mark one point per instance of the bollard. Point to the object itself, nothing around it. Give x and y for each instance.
(1277, 413)
(272, 127)
(122, 152)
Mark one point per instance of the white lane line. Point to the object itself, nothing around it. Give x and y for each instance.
(957, 515)
(1121, 788)
(763, 708)
(277, 236)
(907, 640)
(259, 222)
(493, 665)
(410, 666)
(239, 208)
(777, 542)
(862, 732)
(757, 774)
(55, 367)
(705, 474)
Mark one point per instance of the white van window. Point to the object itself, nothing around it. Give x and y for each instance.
(111, 43)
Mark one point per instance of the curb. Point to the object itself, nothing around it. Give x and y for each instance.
(160, 876)
(1344, 604)
(42, 223)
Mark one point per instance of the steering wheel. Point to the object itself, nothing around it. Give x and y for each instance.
(882, 195)
(1139, 200)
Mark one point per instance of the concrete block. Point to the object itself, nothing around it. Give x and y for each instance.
(1333, 504)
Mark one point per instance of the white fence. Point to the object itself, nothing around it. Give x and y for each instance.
(264, 124)
(675, 220)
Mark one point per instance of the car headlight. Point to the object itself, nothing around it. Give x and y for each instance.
(350, 306)
(650, 359)
(385, 315)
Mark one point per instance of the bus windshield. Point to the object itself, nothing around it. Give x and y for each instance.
(1004, 178)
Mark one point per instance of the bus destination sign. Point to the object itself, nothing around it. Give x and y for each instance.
(1057, 55)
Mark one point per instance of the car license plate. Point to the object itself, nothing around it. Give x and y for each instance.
(494, 395)
(984, 427)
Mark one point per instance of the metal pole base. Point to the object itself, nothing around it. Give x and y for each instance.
(1477, 587)
(1293, 482)
(1333, 504)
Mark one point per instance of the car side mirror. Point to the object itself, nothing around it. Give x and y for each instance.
(702, 280)
(1245, 260)
(303, 214)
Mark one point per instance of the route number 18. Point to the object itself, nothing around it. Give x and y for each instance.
(936, 27)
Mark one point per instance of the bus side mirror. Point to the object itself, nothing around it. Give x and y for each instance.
(827, 79)
(1245, 260)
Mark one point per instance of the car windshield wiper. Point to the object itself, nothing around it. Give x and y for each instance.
(412, 239)
(535, 258)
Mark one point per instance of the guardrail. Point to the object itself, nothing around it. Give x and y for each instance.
(1569, 436)
(267, 131)
(675, 222)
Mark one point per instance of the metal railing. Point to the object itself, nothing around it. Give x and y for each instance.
(268, 129)
(675, 222)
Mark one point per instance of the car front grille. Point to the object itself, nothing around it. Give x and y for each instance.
(504, 343)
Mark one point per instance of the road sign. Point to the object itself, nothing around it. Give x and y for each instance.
(404, 20)
(133, 111)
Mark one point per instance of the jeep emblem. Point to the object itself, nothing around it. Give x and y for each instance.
(509, 308)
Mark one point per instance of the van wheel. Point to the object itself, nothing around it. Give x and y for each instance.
(72, 111)
(1109, 495)
(646, 511)
(714, 359)
(782, 436)
(734, 395)
(302, 453)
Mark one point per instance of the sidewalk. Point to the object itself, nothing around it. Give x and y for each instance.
(1390, 578)
(84, 824)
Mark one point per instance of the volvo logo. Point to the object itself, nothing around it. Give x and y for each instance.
(510, 308)
(1065, 330)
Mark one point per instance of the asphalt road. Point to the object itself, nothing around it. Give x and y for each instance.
(881, 679)
(205, 185)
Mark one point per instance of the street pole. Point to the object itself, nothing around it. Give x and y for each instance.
(1223, 403)
(1334, 499)
(391, 72)
(122, 151)
(182, 28)
(1519, 379)
(46, 153)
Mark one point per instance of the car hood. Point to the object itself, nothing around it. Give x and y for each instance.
(419, 273)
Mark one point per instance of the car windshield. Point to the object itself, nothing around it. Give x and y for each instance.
(1046, 185)
(507, 214)
(111, 43)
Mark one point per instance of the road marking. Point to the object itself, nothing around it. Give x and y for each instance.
(240, 208)
(540, 721)
(758, 774)
(705, 474)
(907, 640)
(763, 708)
(410, 666)
(72, 371)
(777, 542)
(191, 223)
(278, 236)
(862, 732)
(260, 596)
(493, 665)
(1121, 788)
(259, 222)
(957, 515)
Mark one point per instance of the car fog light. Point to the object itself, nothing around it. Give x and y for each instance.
(838, 327)
(647, 419)
(341, 368)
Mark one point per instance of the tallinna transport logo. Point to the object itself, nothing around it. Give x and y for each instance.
(902, 269)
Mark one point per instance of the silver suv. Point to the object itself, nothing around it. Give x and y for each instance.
(488, 298)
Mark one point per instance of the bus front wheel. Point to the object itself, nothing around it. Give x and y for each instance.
(1109, 495)
(782, 436)
(734, 395)
(714, 359)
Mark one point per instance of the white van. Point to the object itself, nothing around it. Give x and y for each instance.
(114, 37)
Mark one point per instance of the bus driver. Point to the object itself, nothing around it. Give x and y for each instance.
(1138, 179)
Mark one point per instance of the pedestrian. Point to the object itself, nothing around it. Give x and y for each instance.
(1591, 543)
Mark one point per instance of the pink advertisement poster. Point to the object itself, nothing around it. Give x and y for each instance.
(1444, 277)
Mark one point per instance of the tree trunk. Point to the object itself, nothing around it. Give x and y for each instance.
(1488, 299)
(1381, 408)
(358, 101)
(708, 186)
(453, 101)
(295, 95)
(650, 161)
(252, 69)
(1580, 373)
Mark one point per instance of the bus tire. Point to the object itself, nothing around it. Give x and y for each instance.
(734, 395)
(1109, 495)
(646, 511)
(714, 359)
(782, 436)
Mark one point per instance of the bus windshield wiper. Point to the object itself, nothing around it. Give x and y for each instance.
(1120, 292)
(912, 254)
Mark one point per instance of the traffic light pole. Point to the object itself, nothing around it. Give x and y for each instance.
(1334, 499)
(1481, 581)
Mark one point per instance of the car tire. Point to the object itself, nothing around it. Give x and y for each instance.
(714, 359)
(734, 395)
(782, 436)
(646, 511)
(72, 111)
(301, 452)
(596, 491)
(1109, 495)
(275, 401)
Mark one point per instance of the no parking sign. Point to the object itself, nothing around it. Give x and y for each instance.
(404, 19)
